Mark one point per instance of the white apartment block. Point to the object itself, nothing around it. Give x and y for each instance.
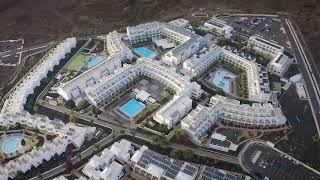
(112, 84)
(114, 45)
(201, 60)
(279, 65)
(265, 47)
(187, 42)
(144, 32)
(74, 88)
(257, 77)
(18, 95)
(151, 165)
(67, 133)
(104, 166)
(202, 118)
(219, 26)
(174, 111)
(183, 51)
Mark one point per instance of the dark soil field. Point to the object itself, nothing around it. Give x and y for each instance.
(43, 20)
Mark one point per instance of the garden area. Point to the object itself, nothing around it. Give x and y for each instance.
(238, 135)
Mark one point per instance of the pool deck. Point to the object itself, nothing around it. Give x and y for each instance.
(22, 149)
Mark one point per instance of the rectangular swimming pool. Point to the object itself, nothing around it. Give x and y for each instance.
(145, 52)
(94, 61)
(132, 108)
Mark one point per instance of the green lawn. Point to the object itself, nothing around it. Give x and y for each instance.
(78, 62)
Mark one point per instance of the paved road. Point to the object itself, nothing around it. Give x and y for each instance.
(308, 69)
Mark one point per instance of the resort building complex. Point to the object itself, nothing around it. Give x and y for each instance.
(199, 120)
(66, 134)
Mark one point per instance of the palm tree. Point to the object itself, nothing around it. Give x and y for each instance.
(72, 116)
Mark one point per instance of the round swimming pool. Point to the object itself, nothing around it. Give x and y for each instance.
(11, 144)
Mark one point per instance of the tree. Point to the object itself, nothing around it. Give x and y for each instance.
(159, 141)
(162, 128)
(70, 104)
(72, 116)
(187, 154)
(181, 135)
(96, 110)
(83, 104)
(176, 154)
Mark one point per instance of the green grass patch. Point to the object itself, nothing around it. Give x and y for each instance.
(78, 62)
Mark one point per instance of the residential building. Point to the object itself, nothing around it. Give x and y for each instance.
(183, 51)
(144, 32)
(111, 86)
(228, 110)
(105, 166)
(18, 95)
(265, 47)
(201, 60)
(174, 111)
(115, 46)
(74, 88)
(279, 65)
(219, 26)
(147, 164)
(301, 91)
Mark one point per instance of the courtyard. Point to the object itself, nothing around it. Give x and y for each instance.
(135, 103)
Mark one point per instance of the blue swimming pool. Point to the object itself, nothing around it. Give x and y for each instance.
(11, 144)
(94, 61)
(145, 52)
(132, 108)
(222, 79)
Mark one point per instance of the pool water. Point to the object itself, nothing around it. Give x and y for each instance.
(145, 52)
(10, 145)
(94, 61)
(132, 108)
(222, 79)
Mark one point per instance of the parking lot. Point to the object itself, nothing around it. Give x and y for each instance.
(262, 161)
(270, 28)
(10, 45)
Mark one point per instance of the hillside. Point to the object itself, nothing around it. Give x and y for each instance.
(39, 21)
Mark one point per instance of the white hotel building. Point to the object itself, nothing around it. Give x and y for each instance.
(104, 166)
(75, 87)
(18, 95)
(173, 111)
(279, 65)
(187, 42)
(265, 47)
(113, 44)
(219, 26)
(202, 118)
(257, 78)
(67, 133)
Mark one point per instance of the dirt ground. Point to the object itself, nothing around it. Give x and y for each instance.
(40, 21)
